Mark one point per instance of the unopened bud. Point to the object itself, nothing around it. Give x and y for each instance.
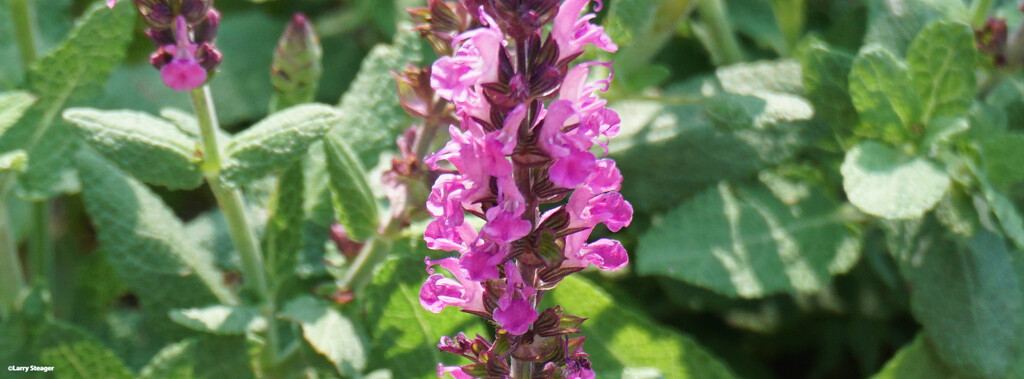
(160, 58)
(156, 13)
(414, 91)
(208, 56)
(195, 10)
(160, 37)
(206, 30)
(296, 69)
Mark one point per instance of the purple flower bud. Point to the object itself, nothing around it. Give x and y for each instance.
(160, 37)
(206, 30)
(156, 13)
(195, 10)
(160, 58)
(208, 56)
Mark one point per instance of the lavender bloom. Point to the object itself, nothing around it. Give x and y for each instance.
(528, 122)
(183, 31)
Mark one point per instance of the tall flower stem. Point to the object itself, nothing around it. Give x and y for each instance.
(979, 12)
(12, 281)
(232, 205)
(23, 30)
(722, 37)
(40, 246)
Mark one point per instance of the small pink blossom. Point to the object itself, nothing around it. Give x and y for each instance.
(572, 32)
(455, 371)
(440, 291)
(111, 3)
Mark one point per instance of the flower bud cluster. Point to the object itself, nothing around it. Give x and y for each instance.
(183, 31)
(521, 160)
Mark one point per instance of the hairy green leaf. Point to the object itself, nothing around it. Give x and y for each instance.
(75, 354)
(201, 357)
(371, 115)
(77, 68)
(880, 87)
(354, 203)
(743, 241)
(329, 332)
(619, 338)
(942, 63)
(826, 73)
(220, 319)
(276, 142)
(1009, 217)
(150, 149)
(145, 242)
(883, 182)
(894, 24)
(404, 335)
(969, 300)
(781, 76)
(1003, 155)
(284, 237)
(13, 105)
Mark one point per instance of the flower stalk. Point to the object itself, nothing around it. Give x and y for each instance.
(22, 16)
(522, 158)
(721, 41)
(12, 280)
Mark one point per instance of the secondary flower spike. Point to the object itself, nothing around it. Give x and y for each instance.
(529, 124)
(183, 31)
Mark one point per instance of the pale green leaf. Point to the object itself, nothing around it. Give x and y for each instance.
(826, 72)
(783, 76)
(916, 360)
(145, 242)
(74, 354)
(881, 89)
(767, 110)
(969, 300)
(743, 241)
(150, 149)
(329, 332)
(188, 124)
(883, 182)
(619, 338)
(13, 105)
(371, 114)
(220, 319)
(942, 63)
(13, 161)
(276, 142)
(404, 335)
(354, 203)
(678, 151)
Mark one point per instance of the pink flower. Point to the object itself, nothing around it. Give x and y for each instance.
(475, 62)
(571, 32)
(111, 3)
(440, 291)
(515, 313)
(183, 72)
(455, 371)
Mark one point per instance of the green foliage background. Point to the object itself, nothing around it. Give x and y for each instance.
(823, 188)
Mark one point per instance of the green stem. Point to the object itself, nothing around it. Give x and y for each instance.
(40, 248)
(789, 16)
(23, 30)
(233, 207)
(979, 12)
(12, 281)
(522, 369)
(723, 39)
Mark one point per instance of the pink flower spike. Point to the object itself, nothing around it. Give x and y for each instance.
(571, 170)
(455, 371)
(111, 3)
(514, 311)
(183, 75)
(571, 32)
(439, 291)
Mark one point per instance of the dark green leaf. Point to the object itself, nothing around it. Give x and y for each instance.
(880, 86)
(329, 332)
(942, 64)
(74, 354)
(826, 72)
(354, 203)
(894, 24)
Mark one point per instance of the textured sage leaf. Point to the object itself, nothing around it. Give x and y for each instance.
(894, 24)
(371, 116)
(880, 86)
(13, 105)
(13, 161)
(916, 360)
(745, 242)
(969, 300)
(826, 73)
(942, 131)
(209, 232)
(678, 151)
(206, 356)
(145, 242)
(782, 76)
(354, 203)
(942, 64)
(187, 123)
(403, 335)
(75, 354)
(329, 332)
(284, 237)
(276, 142)
(150, 149)
(68, 74)
(883, 182)
(619, 338)
(765, 111)
(220, 319)
(1007, 213)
